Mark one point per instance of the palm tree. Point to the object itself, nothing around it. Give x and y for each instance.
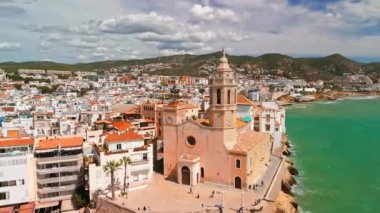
(125, 161)
(110, 168)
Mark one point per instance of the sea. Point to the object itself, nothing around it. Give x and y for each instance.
(336, 148)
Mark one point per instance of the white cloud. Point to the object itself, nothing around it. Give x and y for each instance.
(5, 46)
(207, 13)
(122, 29)
(81, 57)
(78, 43)
(137, 23)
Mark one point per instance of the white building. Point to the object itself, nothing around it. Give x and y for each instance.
(116, 146)
(17, 171)
(271, 120)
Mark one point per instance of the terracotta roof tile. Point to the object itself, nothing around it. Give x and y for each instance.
(121, 137)
(63, 142)
(249, 139)
(122, 125)
(103, 122)
(242, 100)
(9, 142)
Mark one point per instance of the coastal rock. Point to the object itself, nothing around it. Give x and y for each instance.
(289, 179)
(286, 187)
(285, 204)
(288, 161)
(293, 170)
(286, 151)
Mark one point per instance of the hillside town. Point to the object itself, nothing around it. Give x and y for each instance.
(75, 140)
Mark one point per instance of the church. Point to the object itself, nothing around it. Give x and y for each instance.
(217, 150)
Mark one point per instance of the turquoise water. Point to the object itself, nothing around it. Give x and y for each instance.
(337, 150)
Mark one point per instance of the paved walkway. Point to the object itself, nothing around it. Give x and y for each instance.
(165, 196)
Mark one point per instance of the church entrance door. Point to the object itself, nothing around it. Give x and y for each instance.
(237, 182)
(185, 173)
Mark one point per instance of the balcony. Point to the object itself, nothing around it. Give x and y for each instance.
(59, 169)
(138, 169)
(55, 198)
(58, 179)
(59, 159)
(56, 189)
(141, 162)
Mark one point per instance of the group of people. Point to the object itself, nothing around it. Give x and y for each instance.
(257, 185)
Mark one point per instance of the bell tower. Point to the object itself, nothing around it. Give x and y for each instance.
(223, 96)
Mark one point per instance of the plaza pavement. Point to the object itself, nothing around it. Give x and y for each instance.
(166, 196)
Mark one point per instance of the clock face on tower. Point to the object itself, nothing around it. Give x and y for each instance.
(169, 119)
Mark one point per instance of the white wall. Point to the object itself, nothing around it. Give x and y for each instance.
(18, 168)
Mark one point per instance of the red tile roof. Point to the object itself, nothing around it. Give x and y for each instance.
(27, 208)
(9, 142)
(103, 122)
(121, 137)
(63, 142)
(122, 125)
(242, 100)
(7, 209)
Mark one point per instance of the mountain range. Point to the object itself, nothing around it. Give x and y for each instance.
(324, 68)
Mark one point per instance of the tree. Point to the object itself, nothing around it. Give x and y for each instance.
(110, 169)
(125, 161)
(80, 198)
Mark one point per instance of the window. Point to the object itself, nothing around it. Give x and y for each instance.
(135, 178)
(191, 141)
(218, 96)
(202, 172)
(237, 164)
(145, 156)
(211, 99)
(118, 146)
(4, 195)
(267, 127)
(229, 96)
(8, 183)
(267, 118)
(20, 182)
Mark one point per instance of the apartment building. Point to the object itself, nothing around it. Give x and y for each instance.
(59, 162)
(17, 168)
(116, 146)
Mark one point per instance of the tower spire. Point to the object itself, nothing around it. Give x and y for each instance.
(224, 52)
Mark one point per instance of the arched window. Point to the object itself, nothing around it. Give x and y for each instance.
(218, 96)
(229, 96)
(237, 164)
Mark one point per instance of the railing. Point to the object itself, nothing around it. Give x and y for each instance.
(56, 189)
(140, 162)
(139, 170)
(57, 179)
(59, 169)
(59, 158)
(13, 154)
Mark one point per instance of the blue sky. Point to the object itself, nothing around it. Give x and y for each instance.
(91, 30)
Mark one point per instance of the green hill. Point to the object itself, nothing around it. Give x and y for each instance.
(275, 64)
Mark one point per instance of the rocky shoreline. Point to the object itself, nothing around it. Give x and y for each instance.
(285, 201)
